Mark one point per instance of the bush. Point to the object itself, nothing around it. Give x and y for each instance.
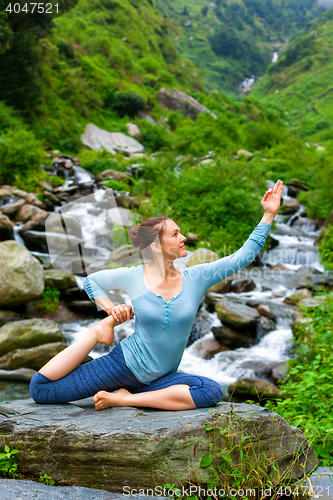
(119, 186)
(99, 165)
(21, 155)
(309, 381)
(326, 248)
(49, 301)
(126, 103)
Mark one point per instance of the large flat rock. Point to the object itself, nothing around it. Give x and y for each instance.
(11, 489)
(140, 447)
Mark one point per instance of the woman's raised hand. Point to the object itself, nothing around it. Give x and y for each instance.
(121, 313)
(272, 198)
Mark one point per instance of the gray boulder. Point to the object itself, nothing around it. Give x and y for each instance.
(28, 333)
(59, 279)
(19, 375)
(22, 275)
(279, 372)
(237, 315)
(177, 100)
(6, 228)
(7, 316)
(253, 388)
(33, 358)
(95, 138)
(141, 447)
(230, 337)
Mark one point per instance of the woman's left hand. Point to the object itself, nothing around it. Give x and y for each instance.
(272, 198)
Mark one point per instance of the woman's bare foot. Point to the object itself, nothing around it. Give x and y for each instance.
(103, 399)
(104, 330)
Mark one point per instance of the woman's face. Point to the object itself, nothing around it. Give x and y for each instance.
(172, 242)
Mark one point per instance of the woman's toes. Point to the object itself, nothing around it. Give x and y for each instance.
(99, 395)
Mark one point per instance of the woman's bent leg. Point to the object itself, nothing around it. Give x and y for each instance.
(175, 391)
(108, 372)
(204, 391)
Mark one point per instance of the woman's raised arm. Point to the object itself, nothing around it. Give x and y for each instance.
(207, 275)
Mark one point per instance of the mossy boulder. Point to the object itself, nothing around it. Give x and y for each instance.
(28, 333)
(22, 275)
(33, 358)
(57, 278)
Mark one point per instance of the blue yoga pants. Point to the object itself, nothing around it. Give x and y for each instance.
(109, 373)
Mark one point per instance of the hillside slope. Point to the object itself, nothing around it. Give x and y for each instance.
(302, 82)
(234, 39)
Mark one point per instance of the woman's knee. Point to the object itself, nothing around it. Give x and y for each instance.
(37, 388)
(209, 393)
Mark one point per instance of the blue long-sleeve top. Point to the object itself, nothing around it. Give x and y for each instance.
(162, 328)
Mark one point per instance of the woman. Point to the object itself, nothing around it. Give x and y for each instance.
(142, 368)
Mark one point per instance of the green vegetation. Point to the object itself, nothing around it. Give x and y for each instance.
(46, 479)
(326, 248)
(8, 465)
(235, 39)
(239, 468)
(49, 301)
(309, 381)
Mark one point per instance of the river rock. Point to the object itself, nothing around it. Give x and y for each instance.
(34, 358)
(19, 375)
(275, 308)
(237, 315)
(27, 211)
(177, 100)
(201, 256)
(121, 217)
(124, 253)
(243, 154)
(208, 347)
(279, 372)
(59, 279)
(96, 138)
(55, 224)
(142, 447)
(294, 187)
(113, 174)
(10, 209)
(47, 242)
(280, 267)
(28, 333)
(300, 324)
(265, 325)
(290, 206)
(223, 286)
(127, 201)
(36, 223)
(312, 302)
(240, 285)
(253, 388)
(8, 316)
(88, 308)
(302, 293)
(264, 310)
(230, 337)
(22, 275)
(62, 315)
(6, 228)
